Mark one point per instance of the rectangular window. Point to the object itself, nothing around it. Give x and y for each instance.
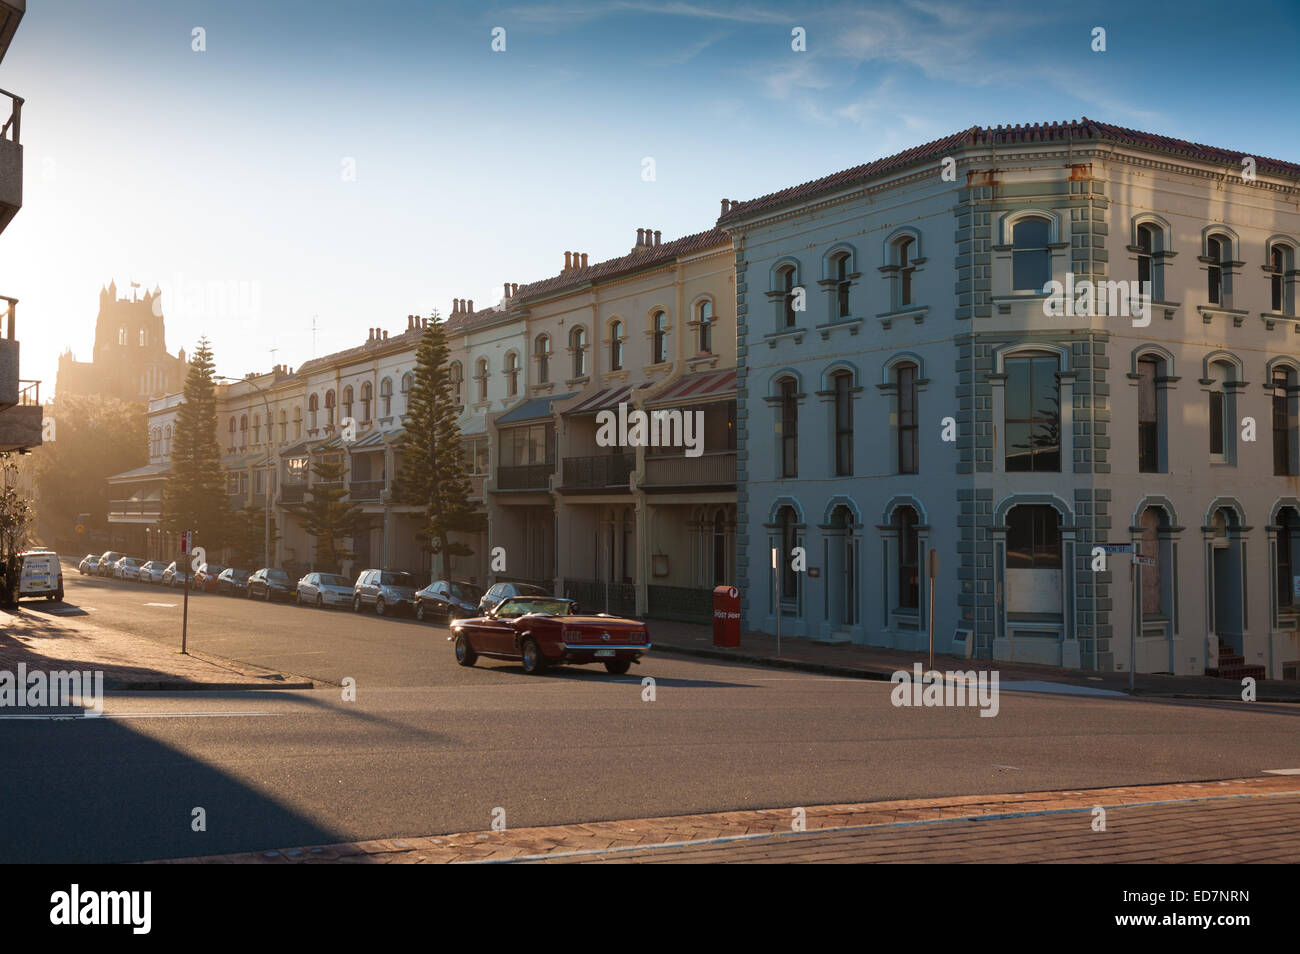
(1216, 423)
(1033, 538)
(843, 425)
(1148, 418)
(1033, 414)
(789, 429)
(1282, 449)
(909, 569)
(907, 429)
(1285, 593)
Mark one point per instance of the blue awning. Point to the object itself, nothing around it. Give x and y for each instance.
(534, 409)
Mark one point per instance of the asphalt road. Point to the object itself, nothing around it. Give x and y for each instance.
(431, 747)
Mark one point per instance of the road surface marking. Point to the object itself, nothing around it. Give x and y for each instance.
(1294, 771)
(139, 715)
(159, 604)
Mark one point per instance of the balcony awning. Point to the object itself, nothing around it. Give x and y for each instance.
(141, 473)
(376, 439)
(604, 400)
(534, 409)
(474, 426)
(240, 461)
(301, 449)
(705, 386)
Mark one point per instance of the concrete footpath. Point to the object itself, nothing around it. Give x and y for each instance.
(1236, 820)
(873, 662)
(52, 637)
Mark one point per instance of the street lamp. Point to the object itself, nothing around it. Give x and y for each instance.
(270, 438)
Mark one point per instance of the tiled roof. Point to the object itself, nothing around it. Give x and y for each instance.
(983, 136)
(635, 260)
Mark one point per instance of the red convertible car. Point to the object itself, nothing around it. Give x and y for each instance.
(540, 631)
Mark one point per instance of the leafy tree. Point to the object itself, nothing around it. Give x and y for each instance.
(95, 437)
(327, 517)
(194, 497)
(15, 517)
(433, 473)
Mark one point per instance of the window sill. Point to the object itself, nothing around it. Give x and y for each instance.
(793, 334)
(916, 312)
(1271, 318)
(1210, 312)
(854, 325)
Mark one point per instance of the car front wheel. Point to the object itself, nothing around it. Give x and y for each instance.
(380, 608)
(465, 654)
(356, 604)
(419, 611)
(533, 660)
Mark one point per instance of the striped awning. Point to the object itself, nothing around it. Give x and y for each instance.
(705, 386)
(604, 399)
(534, 409)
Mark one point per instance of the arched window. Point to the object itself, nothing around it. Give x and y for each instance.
(457, 374)
(297, 422)
(785, 286)
(578, 345)
(155, 440)
(1146, 243)
(1032, 413)
(704, 316)
(406, 384)
(909, 560)
(284, 427)
(482, 376)
(902, 253)
(788, 523)
(512, 374)
(232, 431)
(329, 408)
(144, 337)
(313, 409)
(1031, 260)
(347, 401)
(257, 429)
(842, 387)
(1288, 560)
(1151, 431)
(1286, 454)
(659, 338)
(907, 430)
(243, 430)
(167, 441)
(367, 395)
(1281, 279)
(788, 427)
(542, 351)
(1222, 404)
(386, 397)
(843, 284)
(1218, 269)
(616, 345)
(121, 336)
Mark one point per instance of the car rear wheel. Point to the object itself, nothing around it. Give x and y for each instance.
(356, 604)
(380, 608)
(617, 667)
(248, 592)
(419, 610)
(465, 654)
(533, 660)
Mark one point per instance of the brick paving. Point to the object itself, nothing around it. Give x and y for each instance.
(1237, 820)
(875, 662)
(49, 642)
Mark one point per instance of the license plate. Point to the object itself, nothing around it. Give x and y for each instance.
(600, 653)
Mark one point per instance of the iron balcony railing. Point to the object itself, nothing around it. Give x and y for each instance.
(673, 470)
(609, 470)
(12, 129)
(527, 477)
(365, 489)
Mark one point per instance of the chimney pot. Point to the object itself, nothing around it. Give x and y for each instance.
(725, 206)
(506, 288)
(656, 236)
(514, 289)
(469, 306)
(584, 259)
(640, 237)
(568, 261)
(385, 335)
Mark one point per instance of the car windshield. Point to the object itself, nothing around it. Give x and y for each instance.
(333, 579)
(239, 574)
(278, 575)
(467, 592)
(397, 579)
(533, 604)
(213, 569)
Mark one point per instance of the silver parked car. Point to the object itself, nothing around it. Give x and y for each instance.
(127, 567)
(324, 589)
(151, 572)
(388, 591)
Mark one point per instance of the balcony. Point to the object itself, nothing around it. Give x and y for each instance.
(292, 493)
(707, 470)
(11, 159)
(609, 470)
(366, 489)
(476, 486)
(527, 477)
(134, 508)
(9, 382)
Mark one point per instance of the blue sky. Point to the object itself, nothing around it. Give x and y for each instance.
(149, 161)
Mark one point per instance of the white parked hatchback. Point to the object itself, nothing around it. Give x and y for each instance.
(324, 589)
(42, 575)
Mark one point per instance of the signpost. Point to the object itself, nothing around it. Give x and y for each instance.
(776, 592)
(932, 566)
(186, 536)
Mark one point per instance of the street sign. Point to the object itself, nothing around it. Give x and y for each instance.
(1117, 547)
(1141, 560)
(185, 541)
(81, 528)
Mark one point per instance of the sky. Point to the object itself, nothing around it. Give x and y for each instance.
(321, 168)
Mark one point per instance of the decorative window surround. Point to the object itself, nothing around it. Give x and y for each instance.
(794, 334)
(1210, 312)
(854, 325)
(916, 312)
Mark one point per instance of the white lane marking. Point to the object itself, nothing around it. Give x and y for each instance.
(314, 652)
(159, 604)
(141, 715)
(1294, 771)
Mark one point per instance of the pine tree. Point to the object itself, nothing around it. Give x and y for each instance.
(328, 518)
(247, 537)
(194, 496)
(433, 473)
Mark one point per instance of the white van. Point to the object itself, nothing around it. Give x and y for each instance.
(42, 575)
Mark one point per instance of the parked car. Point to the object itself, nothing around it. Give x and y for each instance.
(504, 591)
(205, 580)
(269, 584)
(173, 575)
(107, 561)
(127, 567)
(324, 589)
(447, 600)
(232, 581)
(151, 572)
(41, 575)
(388, 591)
(88, 565)
(545, 631)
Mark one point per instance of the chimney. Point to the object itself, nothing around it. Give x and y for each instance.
(656, 236)
(469, 306)
(506, 289)
(514, 289)
(726, 204)
(568, 261)
(584, 259)
(640, 238)
(385, 335)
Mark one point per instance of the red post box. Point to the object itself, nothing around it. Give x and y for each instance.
(726, 616)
